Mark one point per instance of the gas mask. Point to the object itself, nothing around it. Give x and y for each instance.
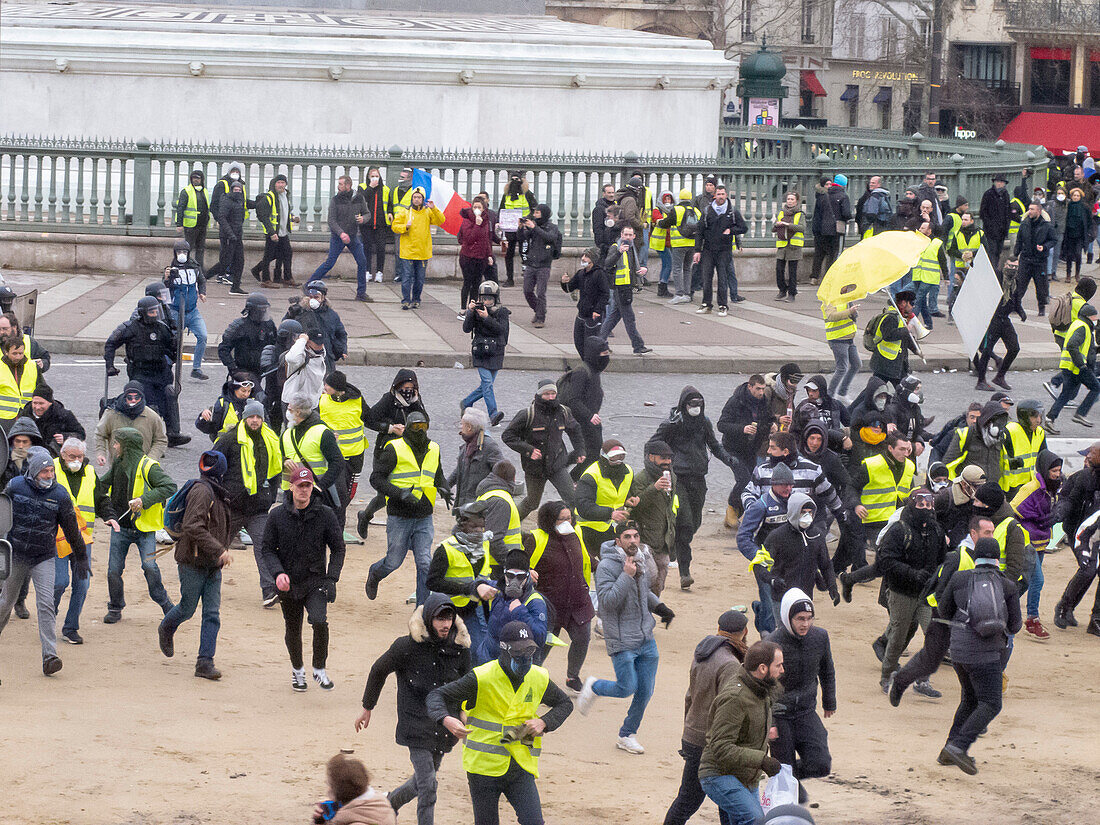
(314, 303)
(566, 529)
(609, 223)
(916, 398)
(694, 409)
(936, 486)
(43, 483)
(181, 257)
(514, 583)
(805, 520)
(991, 434)
(76, 465)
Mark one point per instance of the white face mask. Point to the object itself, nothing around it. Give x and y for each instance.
(805, 520)
(694, 410)
(74, 465)
(610, 222)
(915, 398)
(182, 257)
(314, 303)
(1060, 196)
(564, 529)
(477, 210)
(374, 180)
(234, 176)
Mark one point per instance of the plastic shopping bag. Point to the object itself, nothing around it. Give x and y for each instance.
(781, 789)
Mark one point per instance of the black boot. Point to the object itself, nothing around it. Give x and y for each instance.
(204, 668)
(662, 290)
(1063, 617)
(1094, 626)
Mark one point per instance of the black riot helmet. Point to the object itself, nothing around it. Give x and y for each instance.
(289, 330)
(256, 306)
(158, 290)
(146, 305)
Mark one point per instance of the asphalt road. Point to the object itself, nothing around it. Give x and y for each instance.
(634, 405)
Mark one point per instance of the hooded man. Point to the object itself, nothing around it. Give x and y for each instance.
(234, 176)
(808, 476)
(343, 409)
(880, 485)
(798, 553)
(39, 508)
(516, 196)
(22, 435)
(983, 445)
(603, 496)
(409, 473)
(1034, 503)
(1078, 364)
(274, 370)
(201, 552)
(187, 288)
(231, 213)
(273, 211)
(498, 492)
(681, 222)
(654, 488)
(807, 660)
(906, 412)
(515, 600)
(581, 390)
(626, 605)
(314, 312)
(306, 364)
(763, 516)
(954, 504)
(435, 650)
(820, 406)
(243, 341)
(537, 434)
(822, 448)
(716, 659)
(137, 488)
(129, 411)
(1024, 439)
(539, 244)
(193, 214)
(782, 387)
(591, 284)
(690, 435)
(226, 411)
(54, 422)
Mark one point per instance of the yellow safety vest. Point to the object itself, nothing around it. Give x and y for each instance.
(84, 501)
(844, 328)
(501, 706)
(1014, 225)
(658, 239)
(14, 395)
(622, 274)
(965, 563)
(224, 184)
(890, 350)
(513, 537)
(272, 199)
(405, 200)
(191, 211)
(1000, 533)
(955, 467)
(1076, 303)
(882, 494)
(542, 537)
(607, 494)
(1024, 447)
(798, 236)
(230, 420)
(956, 224)
(308, 452)
(420, 478)
(385, 199)
(962, 244)
(518, 202)
(345, 418)
(927, 270)
(678, 240)
(150, 519)
(647, 211)
(1066, 363)
(459, 568)
(248, 456)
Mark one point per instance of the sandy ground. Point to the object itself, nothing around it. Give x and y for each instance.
(123, 735)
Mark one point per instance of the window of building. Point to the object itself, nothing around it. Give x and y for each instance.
(857, 30)
(980, 62)
(746, 20)
(1094, 80)
(851, 98)
(1050, 77)
(808, 21)
(888, 33)
(884, 101)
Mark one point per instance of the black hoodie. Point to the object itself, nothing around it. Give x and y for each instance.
(690, 437)
(200, 200)
(830, 412)
(542, 244)
(831, 463)
(741, 410)
(389, 410)
(988, 457)
(911, 550)
(581, 389)
(594, 290)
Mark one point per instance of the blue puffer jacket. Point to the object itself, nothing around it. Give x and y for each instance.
(36, 515)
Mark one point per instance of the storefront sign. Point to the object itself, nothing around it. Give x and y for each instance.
(763, 111)
(965, 134)
(871, 74)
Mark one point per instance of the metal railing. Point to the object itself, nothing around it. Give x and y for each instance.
(130, 188)
(1053, 16)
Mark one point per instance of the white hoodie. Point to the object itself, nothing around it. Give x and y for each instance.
(307, 380)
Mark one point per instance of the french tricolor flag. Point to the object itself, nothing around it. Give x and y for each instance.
(443, 194)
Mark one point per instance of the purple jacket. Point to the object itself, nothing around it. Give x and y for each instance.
(1034, 505)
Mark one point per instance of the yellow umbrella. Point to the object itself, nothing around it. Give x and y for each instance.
(870, 265)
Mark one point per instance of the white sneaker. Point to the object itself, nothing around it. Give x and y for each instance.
(722, 312)
(378, 277)
(246, 539)
(321, 678)
(680, 299)
(629, 744)
(163, 537)
(587, 697)
(673, 566)
(298, 679)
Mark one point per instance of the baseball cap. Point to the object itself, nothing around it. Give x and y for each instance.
(517, 636)
(973, 474)
(302, 474)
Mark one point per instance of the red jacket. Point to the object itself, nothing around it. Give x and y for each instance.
(477, 241)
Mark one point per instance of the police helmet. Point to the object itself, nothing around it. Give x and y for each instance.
(489, 289)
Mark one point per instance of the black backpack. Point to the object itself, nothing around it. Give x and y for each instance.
(689, 223)
(985, 611)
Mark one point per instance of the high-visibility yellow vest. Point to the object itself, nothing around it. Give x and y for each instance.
(798, 236)
(83, 501)
(420, 478)
(225, 185)
(345, 418)
(392, 201)
(191, 211)
(607, 494)
(678, 240)
(647, 210)
(500, 706)
(955, 467)
(459, 568)
(658, 239)
(1076, 303)
(1000, 533)
(518, 202)
(1066, 363)
(150, 519)
(308, 452)
(966, 562)
(844, 328)
(882, 494)
(1024, 447)
(513, 537)
(956, 224)
(890, 350)
(962, 244)
(231, 418)
(622, 274)
(14, 395)
(385, 198)
(248, 456)
(1014, 225)
(927, 270)
(272, 199)
(542, 537)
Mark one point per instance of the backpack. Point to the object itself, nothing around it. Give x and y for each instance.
(174, 507)
(985, 612)
(871, 337)
(1060, 312)
(689, 223)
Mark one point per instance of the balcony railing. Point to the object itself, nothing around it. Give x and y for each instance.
(1062, 17)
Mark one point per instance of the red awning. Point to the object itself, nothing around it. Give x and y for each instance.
(810, 83)
(1056, 132)
(1047, 53)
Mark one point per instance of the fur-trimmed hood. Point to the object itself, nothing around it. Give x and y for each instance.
(418, 628)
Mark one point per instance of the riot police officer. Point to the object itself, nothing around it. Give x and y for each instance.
(244, 339)
(150, 352)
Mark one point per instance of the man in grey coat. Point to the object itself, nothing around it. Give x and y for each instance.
(626, 607)
(479, 452)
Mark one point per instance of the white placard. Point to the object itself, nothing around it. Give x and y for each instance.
(508, 219)
(976, 302)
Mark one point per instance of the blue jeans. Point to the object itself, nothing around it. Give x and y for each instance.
(412, 280)
(194, 323)
(402, 535)
(484, 390)
(1035, 586)
(478, 628)
(666, 265)
(116, 563)
(846, 355)
(198, 584)
(635, 673)
(926, 301)
(764, 619)
(335, 247)
(76, 600)
(732, 798)
(1070, 385)
(731, 280)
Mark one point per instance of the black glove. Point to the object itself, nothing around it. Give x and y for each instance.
(770, 765)
(112, 371)
(835, 596)
(448, 497)
(665, 612)
(1015, 464)
(328, 587)
(81, 568)
(778, 584)
(408, 496)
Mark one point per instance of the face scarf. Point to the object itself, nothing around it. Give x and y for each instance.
(871, 437)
